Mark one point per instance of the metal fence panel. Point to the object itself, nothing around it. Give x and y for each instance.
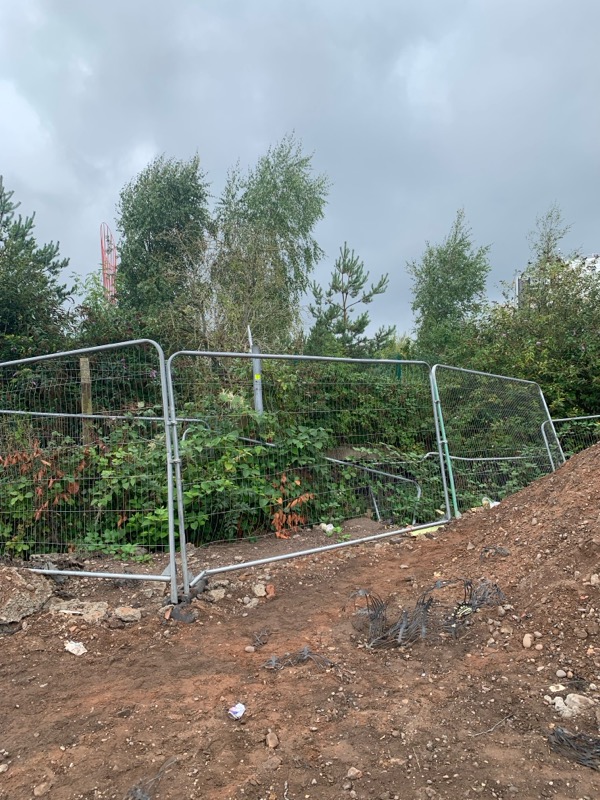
(491, 433)
(85, 456)
(574, 433)
(306, 440)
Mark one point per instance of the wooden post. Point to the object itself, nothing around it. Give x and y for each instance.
(87, 428)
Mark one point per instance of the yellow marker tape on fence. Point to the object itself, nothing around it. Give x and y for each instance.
(257, 377)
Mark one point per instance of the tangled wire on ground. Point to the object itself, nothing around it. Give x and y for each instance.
(293, 659)
(428, 617)
(145, 788)
(577, 746)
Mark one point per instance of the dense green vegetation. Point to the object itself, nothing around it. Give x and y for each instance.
(336, 440)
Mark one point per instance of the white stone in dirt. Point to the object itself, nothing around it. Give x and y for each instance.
(3, 768)
(579, 702)
(527, 640)
(22, 593)
(260, 590)
(595, 580)
(216, 594)
(41, 789)
(128, 614)
(560, 673)
(354, 773)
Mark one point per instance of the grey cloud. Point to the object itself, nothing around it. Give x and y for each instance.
(413, 110)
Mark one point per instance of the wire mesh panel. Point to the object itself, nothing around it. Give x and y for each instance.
(574, 433)
(491, 426)
(332, 439)
(84, 453)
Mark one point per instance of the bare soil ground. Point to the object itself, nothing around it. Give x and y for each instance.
(438, 719)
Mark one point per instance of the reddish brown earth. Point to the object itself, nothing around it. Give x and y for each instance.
(441, 719)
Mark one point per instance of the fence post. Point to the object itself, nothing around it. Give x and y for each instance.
(86, 400)
(257, 381)
(440, 416)
(176, 461)
(556, 439)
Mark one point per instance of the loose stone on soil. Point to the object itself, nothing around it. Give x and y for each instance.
(128, 614)
(527, 640)
(272, 740)
(21, 594)
(260, 590)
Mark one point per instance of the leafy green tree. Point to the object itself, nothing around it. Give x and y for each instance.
(448, 290)
(33, 316)
(550, 229)
(266, 247)
(192, 278)
(163, 214)
(338, 329)
(551, 332)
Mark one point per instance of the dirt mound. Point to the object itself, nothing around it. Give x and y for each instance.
(542, 546)
(477, 715)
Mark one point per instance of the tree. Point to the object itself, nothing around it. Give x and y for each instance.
(33, 317)
(337, 331)
(163, 213)
(448, 287)
(552, 333)
(194, 279)
(265, 221)
(549, 231)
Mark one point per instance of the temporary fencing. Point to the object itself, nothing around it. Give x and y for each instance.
(574, 433)
(279, 442)
(85, 458)
(110, 450)
(491, 434)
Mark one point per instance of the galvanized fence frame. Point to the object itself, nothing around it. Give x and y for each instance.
(549, 442)
(176, 420)
(170, 574)
(552, 423)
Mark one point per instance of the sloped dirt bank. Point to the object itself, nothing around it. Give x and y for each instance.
(444, 718)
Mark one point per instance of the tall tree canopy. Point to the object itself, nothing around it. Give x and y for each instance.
(33, 316)
(448, 289)
(162, 213)
(198, 278)
(550, 332)
(266, 219)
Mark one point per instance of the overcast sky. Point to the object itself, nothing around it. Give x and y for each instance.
(413, 108)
